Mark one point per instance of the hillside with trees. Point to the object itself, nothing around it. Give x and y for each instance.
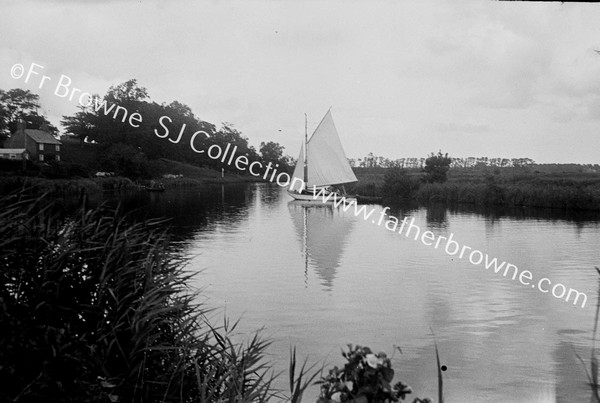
(126, 133)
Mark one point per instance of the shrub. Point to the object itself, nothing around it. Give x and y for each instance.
(397, 183)
(126, 160)
(436, 167)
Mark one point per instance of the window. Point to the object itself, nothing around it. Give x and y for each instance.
(58, 157)
(57, 147)
(41, 147)
(13, 156)
(41, 157)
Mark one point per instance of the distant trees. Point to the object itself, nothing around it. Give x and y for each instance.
(471, 162)
(374, 161)
(436, 167)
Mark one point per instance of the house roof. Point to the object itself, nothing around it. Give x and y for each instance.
(40, 136)
(12, 150)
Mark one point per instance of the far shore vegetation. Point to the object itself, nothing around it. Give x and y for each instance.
(557, 186)
(100, 152)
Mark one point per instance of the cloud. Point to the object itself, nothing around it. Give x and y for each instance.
(391, 70)
(463, 127)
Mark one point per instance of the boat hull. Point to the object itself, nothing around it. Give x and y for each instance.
(318, 200)
(305, 197)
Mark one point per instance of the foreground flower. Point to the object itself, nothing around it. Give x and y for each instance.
(372, 360)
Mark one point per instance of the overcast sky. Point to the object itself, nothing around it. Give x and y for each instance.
(472, 78)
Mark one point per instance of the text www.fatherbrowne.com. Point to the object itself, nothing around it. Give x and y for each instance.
(451, 247)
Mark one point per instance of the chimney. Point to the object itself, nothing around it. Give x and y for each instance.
(21, 125)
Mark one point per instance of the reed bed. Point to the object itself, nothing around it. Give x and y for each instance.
(96, 308)
(500, 187)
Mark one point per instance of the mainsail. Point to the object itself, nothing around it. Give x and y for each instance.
(327, 163)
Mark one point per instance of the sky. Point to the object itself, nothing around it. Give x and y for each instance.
(403, 79)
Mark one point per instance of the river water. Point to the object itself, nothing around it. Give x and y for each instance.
(318, 278)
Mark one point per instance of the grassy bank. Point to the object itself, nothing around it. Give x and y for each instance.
(193, 175)
(61, 187)
(72, 178)
(536, 186)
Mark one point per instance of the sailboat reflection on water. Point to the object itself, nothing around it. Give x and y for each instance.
(322, 232)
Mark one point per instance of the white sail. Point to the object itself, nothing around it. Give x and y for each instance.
(327, 162)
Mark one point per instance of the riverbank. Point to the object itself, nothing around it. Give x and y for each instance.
(548, 186)
(180, 175)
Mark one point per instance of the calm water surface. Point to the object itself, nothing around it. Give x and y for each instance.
(318, 278)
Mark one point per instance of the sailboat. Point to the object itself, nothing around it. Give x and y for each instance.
(322, 162)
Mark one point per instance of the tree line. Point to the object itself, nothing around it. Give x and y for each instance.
(374, 161)
(129, 150)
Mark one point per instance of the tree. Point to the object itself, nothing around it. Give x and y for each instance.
(182, 109)
(35, 121)
(127, 91)
(106, 130)
(80, 124)
(125, 160)
(436, 167)
(271, 152)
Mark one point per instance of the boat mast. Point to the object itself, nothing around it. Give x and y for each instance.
(305, 150)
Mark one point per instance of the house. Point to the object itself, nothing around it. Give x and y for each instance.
(14, 153)
(40, 144)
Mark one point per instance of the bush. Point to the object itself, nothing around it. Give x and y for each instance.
(126, 160)
(436, 167)
(397, 183)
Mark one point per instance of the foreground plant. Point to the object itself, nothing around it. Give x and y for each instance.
(366, 377)
(96, 308)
